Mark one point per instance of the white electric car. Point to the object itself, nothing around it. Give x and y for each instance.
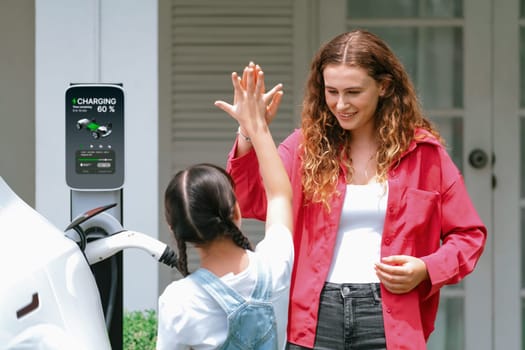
(48, 294)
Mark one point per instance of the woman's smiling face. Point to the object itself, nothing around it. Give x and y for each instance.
(352, 96)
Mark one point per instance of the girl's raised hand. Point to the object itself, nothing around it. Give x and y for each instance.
(251, 104)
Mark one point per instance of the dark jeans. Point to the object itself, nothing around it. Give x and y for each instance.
(350, 318)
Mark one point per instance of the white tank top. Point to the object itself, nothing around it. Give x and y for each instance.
(358, 244)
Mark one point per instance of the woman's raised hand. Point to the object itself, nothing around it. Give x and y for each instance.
(272, 98)
(250, 102)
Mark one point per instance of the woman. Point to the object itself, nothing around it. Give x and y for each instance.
(382, 218)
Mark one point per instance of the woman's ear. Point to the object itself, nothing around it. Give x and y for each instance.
(382, 88)
(384, 85)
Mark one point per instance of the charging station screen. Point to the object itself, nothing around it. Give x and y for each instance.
(95, 162)
(95, 136)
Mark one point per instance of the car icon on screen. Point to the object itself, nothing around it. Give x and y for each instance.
(97, 131)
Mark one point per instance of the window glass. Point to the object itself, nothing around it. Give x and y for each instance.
(451, 129)
(522, 246)
(522, 66)
(404, 9)
(522, 318)
(522, 161)
(433, 57)
(450, 329)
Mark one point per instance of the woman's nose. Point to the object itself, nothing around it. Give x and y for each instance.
(341, 103)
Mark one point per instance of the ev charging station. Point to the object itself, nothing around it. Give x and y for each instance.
(66, 290)
(94, 134)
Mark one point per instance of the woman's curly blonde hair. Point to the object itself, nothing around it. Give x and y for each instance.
(326, 146)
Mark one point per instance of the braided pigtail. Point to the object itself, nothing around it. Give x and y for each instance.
(237, 236)
(182, 260)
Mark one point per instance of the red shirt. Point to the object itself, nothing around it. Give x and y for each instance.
(429, 215)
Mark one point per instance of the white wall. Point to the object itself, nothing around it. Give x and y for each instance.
(165, 129)
(17, 106)
(108, 41)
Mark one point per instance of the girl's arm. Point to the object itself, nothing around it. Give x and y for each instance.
(273, 101)
(250, 109)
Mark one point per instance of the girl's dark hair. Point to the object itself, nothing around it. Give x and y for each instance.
(199, 203)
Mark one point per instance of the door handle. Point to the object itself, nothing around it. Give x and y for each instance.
(478, 158)
(32, 306)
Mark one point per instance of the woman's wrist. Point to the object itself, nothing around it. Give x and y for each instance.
(243, 135)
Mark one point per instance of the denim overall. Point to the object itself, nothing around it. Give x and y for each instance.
(251, 322)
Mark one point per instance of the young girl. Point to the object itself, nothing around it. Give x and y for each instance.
(238, 298)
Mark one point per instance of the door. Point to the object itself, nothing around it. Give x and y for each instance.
(509, 171)
(447, 48)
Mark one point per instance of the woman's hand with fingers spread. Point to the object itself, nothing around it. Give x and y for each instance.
(401, 273)
(272, 99)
